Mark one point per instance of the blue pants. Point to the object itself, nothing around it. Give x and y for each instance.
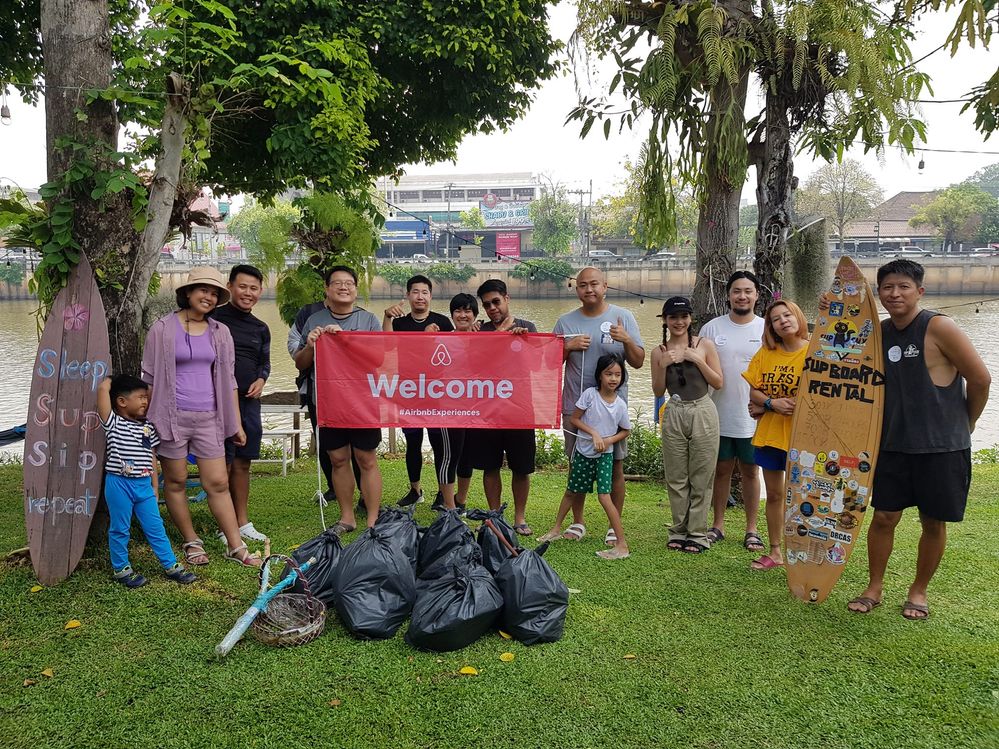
(128, 496)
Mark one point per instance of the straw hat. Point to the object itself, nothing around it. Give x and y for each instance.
(205, 276)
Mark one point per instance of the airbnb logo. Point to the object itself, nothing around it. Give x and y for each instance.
(441, 357)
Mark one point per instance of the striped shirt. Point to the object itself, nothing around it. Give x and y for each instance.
(130, 446)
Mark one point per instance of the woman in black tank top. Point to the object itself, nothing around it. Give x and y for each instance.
(685, 366)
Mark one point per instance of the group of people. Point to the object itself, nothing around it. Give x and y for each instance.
(730, 396)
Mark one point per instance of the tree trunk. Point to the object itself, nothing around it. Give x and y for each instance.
(718, 215)
(775, 185)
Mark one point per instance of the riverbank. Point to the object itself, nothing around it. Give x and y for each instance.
(723, 657)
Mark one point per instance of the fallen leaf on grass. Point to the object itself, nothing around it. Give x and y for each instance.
(73, 624)
(507, 657)
(29, 682)
(630, 656)
(574, 590)
(505, 636)
(48, 672)
(468, 671)
(36, 588)
(335, 703)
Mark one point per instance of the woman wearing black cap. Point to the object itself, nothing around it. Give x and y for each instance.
(686, 366)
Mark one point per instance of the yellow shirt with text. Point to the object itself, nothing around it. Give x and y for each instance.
(776, 373)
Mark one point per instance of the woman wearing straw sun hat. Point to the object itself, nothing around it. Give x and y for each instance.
(188, 362)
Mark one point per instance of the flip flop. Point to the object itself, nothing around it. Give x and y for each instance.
(765, 562)
(574, 532)
(753, 542)
(869, 605)
(919, 608)
(715, 535)
(523, 529)
(550, 536)
(692, 547)
(610, 538)
(613, 554)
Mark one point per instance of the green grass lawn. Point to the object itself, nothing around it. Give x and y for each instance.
(724, 657)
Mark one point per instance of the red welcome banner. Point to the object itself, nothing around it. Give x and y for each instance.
(478, 380)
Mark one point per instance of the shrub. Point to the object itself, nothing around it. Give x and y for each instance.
(550, 451)
(645, 456)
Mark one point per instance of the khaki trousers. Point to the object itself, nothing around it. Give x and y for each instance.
(690, 453)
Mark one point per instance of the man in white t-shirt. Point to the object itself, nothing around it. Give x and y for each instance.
(737, 336)
(593, 329)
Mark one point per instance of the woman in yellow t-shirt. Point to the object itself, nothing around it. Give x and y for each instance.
(773, 376)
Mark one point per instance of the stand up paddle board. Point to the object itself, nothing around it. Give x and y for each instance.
(64, 442)
(835, 436)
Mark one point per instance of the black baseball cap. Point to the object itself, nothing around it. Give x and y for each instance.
(676, 305)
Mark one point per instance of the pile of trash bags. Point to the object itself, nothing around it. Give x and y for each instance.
(454, 585)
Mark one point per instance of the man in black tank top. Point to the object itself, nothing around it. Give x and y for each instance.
(925, 457)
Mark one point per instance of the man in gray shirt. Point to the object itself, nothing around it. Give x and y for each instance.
(339, 314)
(592, 330)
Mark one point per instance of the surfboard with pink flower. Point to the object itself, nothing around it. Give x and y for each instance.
(64, 442)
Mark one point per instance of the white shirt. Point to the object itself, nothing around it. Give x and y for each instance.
(736, 344)
(606, 418)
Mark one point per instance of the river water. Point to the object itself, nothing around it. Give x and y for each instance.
(19, 340)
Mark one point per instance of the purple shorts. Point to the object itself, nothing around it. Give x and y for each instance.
(197, 434)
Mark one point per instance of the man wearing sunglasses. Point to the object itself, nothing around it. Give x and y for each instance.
(489, 445)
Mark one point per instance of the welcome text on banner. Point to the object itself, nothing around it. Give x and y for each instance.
(476, 380)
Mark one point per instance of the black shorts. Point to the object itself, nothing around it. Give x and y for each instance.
(936, 483)
(249, 412)
(359, 439)
(464, 467)
(488, 446)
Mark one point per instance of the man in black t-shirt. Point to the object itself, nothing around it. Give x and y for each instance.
(252, 340)
(419, 293)
(488, 445)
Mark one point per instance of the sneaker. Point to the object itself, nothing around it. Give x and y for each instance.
(129, 578)
(361, 508)
(178, 574)
(250, 533)
(438, 505)
(412, 498)
(459, 508)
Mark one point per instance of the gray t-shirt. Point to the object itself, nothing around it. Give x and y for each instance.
(598, 328)
(358, 319)
(606, 418)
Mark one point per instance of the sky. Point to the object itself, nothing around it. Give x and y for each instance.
(541, 143)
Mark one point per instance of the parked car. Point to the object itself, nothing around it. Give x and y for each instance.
(661, 255)
(910, 252)
(419, 257)
(602, 254)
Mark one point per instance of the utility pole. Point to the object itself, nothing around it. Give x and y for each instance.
(584, 221)
(447, 241)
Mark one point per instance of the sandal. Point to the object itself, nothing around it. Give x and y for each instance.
(340, 527)
(194, 552)
(523, 529)
(550, 536)
(675, 545)
(574, 532)
(692, 547)
(753, 542)
(714, 536)
(245, 558)
(610, 539)
(868, 604)
(921, 611)
(765, 562)
(614, 553)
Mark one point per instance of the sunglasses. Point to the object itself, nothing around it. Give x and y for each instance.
(486, 303)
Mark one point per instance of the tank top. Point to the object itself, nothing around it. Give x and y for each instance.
(685, 380)
(195, 357)
(920, 416)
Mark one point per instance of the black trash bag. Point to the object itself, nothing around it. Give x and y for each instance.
(374, 588)
(494, 551)
(446, 542)
(454, 610)
(535, 600)
(400, 526)
(326, 548)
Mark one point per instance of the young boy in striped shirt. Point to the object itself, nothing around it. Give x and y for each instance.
(130, 478)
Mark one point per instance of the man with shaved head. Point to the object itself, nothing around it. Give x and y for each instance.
(592, 330)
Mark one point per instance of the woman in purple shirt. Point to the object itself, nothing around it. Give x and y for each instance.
(188, 362)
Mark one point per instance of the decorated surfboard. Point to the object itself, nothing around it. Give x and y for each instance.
(835, 436)
(64, 443)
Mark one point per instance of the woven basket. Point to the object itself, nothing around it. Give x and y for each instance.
(290, 618)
